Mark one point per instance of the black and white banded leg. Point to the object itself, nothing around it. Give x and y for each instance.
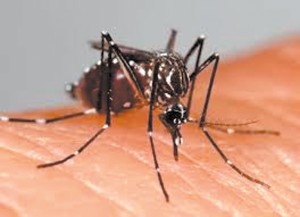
(150, 130)
(103, 128)
(128, 72)
(198, 44)
(231, 130)
(215, 58)
(112, 49)
(47, 120)
(78, 151)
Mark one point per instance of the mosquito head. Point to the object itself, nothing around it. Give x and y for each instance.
(175, 115)
(173, 79)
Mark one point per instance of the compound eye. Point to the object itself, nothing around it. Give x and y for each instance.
(173, 117)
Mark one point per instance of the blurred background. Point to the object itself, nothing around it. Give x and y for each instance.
(43, 44)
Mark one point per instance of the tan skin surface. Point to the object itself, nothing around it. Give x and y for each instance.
(115, 176)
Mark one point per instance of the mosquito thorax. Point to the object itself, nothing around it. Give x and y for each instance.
(173, 78)
(175, 115)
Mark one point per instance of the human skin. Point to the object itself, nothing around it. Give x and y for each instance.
(115, 176)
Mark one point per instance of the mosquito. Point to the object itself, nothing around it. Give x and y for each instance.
(158, 79)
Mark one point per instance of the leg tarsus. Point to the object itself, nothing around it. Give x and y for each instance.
(240, 131)
(215, 57)
(232, 165)
(198, 43)
(107, 121)
(128, 72)
(81, 149)
(47, 120)
(150, 131)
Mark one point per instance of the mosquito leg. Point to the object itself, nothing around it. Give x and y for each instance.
(134, 53)
(104, 127)
(171, 41)
(48, 120)
(86, 144)
(150, 131)
(232, 165)
(229, 130)
(128, 72)
(215, 58)
(198, 44)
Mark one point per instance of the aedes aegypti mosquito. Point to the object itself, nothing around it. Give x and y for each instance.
(157, 79)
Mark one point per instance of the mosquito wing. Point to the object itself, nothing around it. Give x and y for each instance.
(130, 52)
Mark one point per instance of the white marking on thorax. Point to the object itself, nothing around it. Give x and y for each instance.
(167, 95)
(169, 77)
(149, 73)
(142, 71)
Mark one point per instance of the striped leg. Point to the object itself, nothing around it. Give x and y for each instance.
(103, 128)
(198, 44)
(230, 163)
(128, 72)
(150, 131)
(51, 120)
(215, 58)
(231, 128)
(47, 120)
